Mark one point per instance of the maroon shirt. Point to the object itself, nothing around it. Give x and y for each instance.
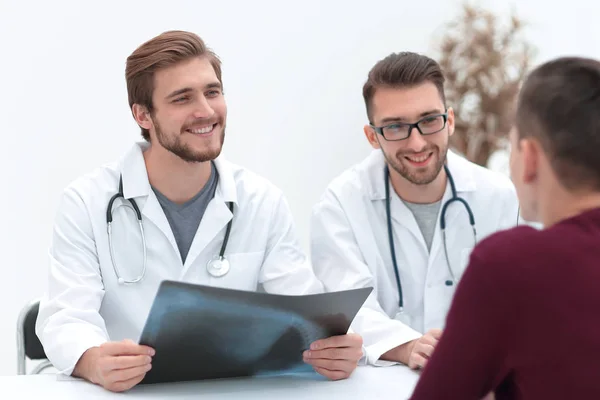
(525, 319)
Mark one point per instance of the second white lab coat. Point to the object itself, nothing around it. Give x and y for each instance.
(350, 247)
(85, 305)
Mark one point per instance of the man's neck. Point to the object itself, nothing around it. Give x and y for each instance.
(420, 194)
(176, 179)
(565, 205)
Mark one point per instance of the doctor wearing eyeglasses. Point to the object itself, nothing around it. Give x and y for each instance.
(406, 219)
(170, 209)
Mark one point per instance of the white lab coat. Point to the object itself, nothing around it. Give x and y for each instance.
(86, 306)
(350, 247)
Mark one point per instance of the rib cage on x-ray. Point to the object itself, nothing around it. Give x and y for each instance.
(229, 333)
(267, 334)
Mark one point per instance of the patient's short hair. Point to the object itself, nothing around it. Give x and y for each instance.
(559, 104)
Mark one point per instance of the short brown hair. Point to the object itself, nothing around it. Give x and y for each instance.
(404, 69)
(559, 104)
(164, 50)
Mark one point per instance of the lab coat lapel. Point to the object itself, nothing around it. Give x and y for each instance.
(154, 213)
(216, 217)
(400, 213)
(137, 186)
(456, 217)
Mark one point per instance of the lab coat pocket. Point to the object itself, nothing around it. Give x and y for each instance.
(243, 271)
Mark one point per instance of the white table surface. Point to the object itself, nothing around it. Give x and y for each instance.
(366, 382)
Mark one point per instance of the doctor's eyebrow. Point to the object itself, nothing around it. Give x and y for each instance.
(178, 92)
(388, 120)
(213, 85)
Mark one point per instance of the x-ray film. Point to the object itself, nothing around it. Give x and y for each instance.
(202, 332)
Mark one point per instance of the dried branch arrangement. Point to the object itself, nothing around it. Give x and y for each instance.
(484, 63)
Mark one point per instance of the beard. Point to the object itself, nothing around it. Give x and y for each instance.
(175, 145)
(419, 175)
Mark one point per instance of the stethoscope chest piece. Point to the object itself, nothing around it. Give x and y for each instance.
(218, 266)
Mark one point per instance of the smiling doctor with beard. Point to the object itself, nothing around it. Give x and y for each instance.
(170, 209)
(405, 219)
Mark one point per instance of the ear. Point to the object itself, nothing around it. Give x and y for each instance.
(142, 116)
(450, 121)
(531, 153)
(371, 136)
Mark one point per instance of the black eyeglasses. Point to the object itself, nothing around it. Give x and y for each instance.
(401, 130)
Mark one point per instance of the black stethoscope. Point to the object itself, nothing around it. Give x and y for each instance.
(217, 267)
(454, 198)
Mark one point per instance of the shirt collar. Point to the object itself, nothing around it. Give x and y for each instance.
(136, 183)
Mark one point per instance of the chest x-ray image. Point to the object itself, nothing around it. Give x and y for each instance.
(202, 332)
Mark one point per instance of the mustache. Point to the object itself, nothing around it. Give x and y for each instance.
(201, 121)
(403, 153)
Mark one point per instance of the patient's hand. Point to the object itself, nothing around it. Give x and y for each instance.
(335, 357)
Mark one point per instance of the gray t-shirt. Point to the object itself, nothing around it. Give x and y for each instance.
(185, 218)
(426, 216)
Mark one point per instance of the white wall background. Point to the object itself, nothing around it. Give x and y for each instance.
(293, 73)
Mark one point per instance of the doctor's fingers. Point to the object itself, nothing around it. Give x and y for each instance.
(340, 353)
(124, 383)
(434, 333)
(416, 361)
(123, 362)
(126, 347)
(346, 366)
(348, 340)
(428, 339)
(124, 375)
(423, 349)
(333, 375)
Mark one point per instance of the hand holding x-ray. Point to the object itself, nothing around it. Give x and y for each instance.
(335, 357)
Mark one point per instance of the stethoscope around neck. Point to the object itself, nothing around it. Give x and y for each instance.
(454, 198)
(217, 267)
